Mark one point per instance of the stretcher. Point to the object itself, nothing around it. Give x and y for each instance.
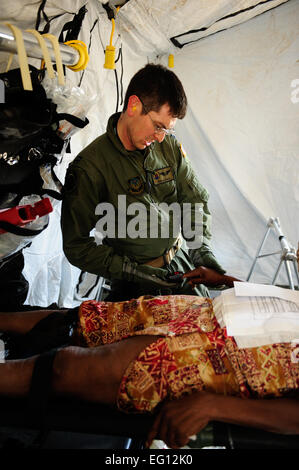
(70, 415)
(43, 412)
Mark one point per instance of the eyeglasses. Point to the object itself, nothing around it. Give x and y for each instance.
(157, 129)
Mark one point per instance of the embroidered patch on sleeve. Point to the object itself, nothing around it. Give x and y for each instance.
(163, 175)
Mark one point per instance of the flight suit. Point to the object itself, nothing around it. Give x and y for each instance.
(106, 174)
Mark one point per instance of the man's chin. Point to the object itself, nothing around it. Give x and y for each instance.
(142, 145)
(147, 144)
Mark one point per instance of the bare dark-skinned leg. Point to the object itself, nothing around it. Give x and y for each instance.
(15, 377)
(22, 322)
(89, 374)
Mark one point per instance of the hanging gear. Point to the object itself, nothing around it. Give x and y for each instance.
(28, 137)
(29, 149)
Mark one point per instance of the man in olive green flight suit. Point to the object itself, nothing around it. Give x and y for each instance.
(131, 169)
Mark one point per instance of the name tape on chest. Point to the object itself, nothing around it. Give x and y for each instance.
(163, 175)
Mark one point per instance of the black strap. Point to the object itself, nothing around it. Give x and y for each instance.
(40, 388)
(38, 18)
(52, 193)
(47, 20)
(73, 27)
(120, 56)
(89, 46)
(179, 44)
(16, 230)
(73, 120)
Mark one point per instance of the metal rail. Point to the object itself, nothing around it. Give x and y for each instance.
(69, 55)
(287, 253)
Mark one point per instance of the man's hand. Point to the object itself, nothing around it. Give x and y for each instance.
(209, 277)
(146, 274)
(178, 420)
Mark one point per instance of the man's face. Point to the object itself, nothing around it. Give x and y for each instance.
(143, 129)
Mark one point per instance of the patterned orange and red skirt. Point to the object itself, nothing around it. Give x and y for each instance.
(191, 354)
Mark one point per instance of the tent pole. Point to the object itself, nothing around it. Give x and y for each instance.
(69, 55)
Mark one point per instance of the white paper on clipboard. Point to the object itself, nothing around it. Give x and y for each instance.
(248, 289)
(257, 314)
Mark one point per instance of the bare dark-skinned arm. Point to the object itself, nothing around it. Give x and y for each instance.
(179, 419)
(279, 415)
(209, 277)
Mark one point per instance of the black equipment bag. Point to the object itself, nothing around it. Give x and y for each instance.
(28, 138)
(28, 121)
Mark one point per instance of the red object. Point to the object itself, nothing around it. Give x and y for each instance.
(22, 215)
(159, 301)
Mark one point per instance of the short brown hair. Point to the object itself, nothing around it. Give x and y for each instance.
(156, 85)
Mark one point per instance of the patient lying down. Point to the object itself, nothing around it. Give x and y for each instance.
(139, 353)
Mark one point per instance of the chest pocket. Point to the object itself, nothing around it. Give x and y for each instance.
(164, 184)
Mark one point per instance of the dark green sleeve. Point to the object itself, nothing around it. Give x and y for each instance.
(191, 191)
(82, 193)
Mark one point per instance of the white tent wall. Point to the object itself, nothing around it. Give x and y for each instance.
(241, 134)
(150, 25)
(240, 131)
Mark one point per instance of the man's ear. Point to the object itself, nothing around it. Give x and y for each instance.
(132, 105)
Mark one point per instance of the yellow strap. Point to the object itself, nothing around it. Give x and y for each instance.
(45, 51)
(81, 47)
(9, 61)
(25, 73)
(53, 39)
(112, 32)
(113, 26)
